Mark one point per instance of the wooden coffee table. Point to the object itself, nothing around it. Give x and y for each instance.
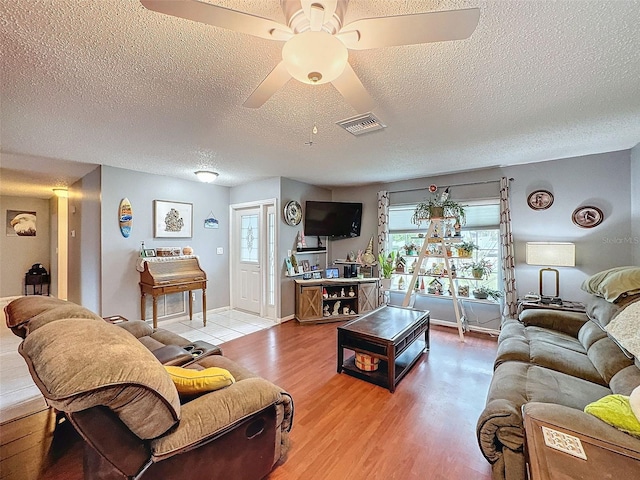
(391, 334)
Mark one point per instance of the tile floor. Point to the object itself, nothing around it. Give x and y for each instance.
(222, 325)
(19, 396)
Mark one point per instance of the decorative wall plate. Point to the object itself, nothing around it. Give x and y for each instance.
(587, 216)
(292, 213)
(540, 199)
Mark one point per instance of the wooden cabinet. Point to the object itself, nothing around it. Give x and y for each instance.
(333, 300)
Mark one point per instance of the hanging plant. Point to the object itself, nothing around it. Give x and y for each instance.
(438, 207)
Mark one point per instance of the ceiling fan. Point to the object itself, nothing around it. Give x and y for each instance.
(316, 41)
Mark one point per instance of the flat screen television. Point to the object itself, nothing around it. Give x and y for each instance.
(332, 219)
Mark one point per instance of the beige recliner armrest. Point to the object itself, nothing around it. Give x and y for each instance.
(214, 412)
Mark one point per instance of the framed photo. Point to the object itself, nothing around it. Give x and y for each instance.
(331, 273)
(317, 275)
(21, 223)
(149, 252)
(306, 266)
(172, 219)
(289, 265)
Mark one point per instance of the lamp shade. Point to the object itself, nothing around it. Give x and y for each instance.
(558, 254)
(314, 57)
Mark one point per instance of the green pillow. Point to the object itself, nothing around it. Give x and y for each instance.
(614, 283)
(192, 382)
(616, 411)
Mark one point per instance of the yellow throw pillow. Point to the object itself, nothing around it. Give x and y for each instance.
(616, 411)
(192, 382)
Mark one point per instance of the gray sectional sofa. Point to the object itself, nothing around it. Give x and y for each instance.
(561, 360)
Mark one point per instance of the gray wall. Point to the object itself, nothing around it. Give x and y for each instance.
(294, 190)
(635, 204)
(600, 180)
(85, 253)
(120, 291)
(17, 254)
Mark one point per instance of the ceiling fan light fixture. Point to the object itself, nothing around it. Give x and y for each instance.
(315, 55)
(206, 176)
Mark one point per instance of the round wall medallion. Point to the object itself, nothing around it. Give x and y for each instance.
(540, 199)
(292, 213)
(587, 217)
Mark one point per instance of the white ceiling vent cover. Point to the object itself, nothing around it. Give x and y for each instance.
(361, 124)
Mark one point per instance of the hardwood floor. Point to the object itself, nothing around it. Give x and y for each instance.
(344, 428)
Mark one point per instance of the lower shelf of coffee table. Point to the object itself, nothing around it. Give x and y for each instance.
(380, 376)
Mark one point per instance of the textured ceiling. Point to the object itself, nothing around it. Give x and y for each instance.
(110, 82)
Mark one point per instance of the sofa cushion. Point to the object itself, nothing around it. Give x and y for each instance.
(546, 348)
(28, 313)
(625, 380)
(616, 411)
(189, 381)
(607, 357)
(80, 363)
(614, 283)
(625, 328)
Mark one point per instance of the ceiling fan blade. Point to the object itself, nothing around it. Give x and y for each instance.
(351, 88)
(410, 29)
(218, 17)
(270, 85)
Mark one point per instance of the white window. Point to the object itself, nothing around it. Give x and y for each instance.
(481, 228)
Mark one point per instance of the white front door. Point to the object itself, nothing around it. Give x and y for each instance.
(247, 260)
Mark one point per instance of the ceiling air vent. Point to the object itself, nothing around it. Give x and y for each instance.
(361, 124)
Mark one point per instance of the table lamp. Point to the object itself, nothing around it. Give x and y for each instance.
(551, 254)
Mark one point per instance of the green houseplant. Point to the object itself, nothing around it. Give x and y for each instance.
(438, 206)
(387, 265)
(465, 249)
(479, 269)
(486, 292)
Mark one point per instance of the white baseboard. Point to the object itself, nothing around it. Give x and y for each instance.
(472, 328)
(287, 318)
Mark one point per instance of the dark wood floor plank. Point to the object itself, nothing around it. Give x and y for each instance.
(344, 428)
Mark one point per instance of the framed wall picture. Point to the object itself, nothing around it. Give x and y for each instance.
(540, 199)
(21, 223)
(149, 252)
(172, 219)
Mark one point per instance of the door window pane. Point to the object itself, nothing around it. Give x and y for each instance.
(250, 240)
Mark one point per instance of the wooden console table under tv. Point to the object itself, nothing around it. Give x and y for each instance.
(390, 334)
(334, 299)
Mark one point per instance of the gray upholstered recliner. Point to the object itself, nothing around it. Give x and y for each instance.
(122, 401)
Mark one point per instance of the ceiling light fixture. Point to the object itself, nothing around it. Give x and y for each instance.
(61, 192)
(206, 176)
(315, 58)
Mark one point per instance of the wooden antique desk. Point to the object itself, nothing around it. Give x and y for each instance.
(172, 275)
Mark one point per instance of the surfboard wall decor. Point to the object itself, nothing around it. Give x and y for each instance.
(125, 215)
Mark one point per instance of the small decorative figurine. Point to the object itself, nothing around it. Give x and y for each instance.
(345, 310)
(325, 311)
(325, 294)
(336, 308)
(457, 227)
(401, 283)
(448, 233)
(351, 292)
(342, 292)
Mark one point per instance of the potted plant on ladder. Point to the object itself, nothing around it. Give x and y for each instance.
(438, 207)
